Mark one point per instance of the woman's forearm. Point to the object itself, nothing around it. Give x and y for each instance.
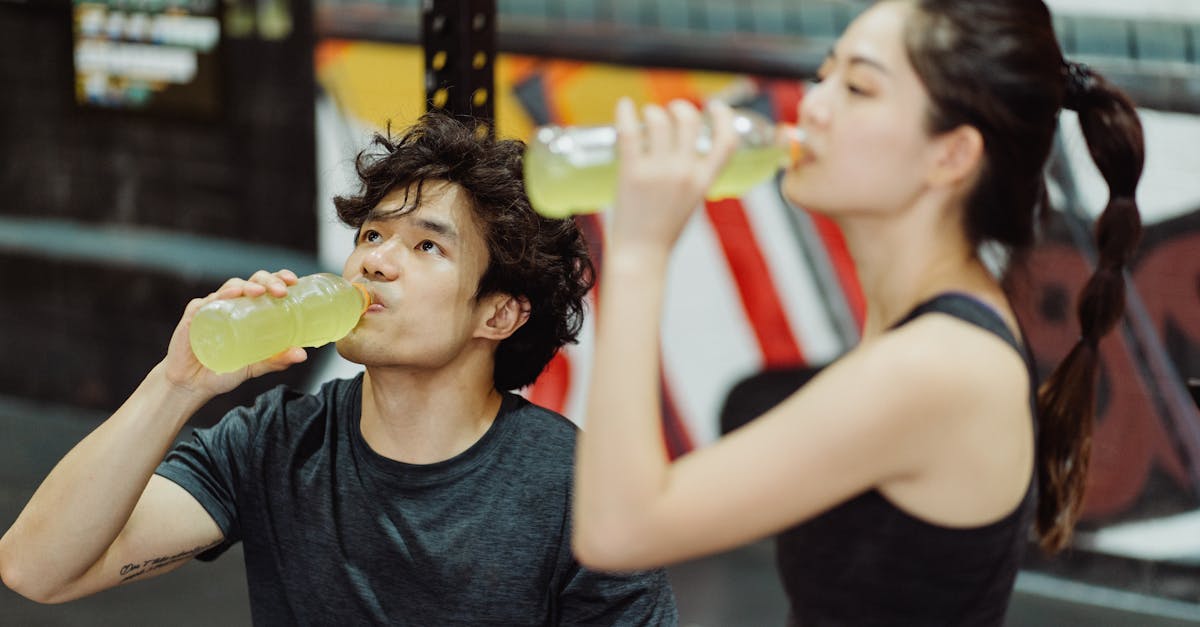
(622, 465)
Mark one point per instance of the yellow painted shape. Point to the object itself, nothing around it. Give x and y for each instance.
(375, 82)
(378, 82)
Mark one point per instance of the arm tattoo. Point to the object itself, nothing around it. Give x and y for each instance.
(134, 570)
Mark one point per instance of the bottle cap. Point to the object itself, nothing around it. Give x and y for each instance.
(366, 296)
(792, 139)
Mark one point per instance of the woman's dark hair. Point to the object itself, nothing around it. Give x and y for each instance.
(996, 65)
(540, 259)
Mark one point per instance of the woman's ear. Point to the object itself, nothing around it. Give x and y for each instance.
(504, 314)
(958, 158)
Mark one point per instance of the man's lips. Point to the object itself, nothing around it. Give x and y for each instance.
(378, 303)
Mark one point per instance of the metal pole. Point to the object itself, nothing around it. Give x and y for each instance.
(459, 38)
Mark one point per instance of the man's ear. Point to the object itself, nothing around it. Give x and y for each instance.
(959, 156)
(504, 315)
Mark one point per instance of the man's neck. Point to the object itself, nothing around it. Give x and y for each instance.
(422, 417)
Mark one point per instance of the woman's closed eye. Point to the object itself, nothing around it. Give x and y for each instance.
(854, 88)
(854, 85)
(857, 90)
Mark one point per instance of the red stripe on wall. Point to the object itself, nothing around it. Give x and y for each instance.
(676, 435)
(551, 387)
(785, 100)
(751, 275)
(843, 265)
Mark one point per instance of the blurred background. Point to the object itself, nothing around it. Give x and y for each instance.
(150, 149)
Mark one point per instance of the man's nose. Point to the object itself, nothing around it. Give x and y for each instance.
(381, 263)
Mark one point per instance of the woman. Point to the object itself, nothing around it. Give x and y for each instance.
(902, 479)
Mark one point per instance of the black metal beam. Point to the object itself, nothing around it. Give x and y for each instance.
(459, 38)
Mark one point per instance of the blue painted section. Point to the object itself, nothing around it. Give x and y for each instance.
(171, 252)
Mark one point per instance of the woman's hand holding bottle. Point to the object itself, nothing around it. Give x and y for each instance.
(662, 177)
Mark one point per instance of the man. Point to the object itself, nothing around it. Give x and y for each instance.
(420, 492)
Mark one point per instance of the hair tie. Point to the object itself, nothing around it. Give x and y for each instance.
(1078, 84)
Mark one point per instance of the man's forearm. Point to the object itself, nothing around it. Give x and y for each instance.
(85, 502)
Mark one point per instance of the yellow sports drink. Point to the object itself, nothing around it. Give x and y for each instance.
(573, 170)
(233, 333)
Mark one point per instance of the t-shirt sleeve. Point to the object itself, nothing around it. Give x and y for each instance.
(618, 599)
(208, 465)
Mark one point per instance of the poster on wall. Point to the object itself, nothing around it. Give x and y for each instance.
(153, 56)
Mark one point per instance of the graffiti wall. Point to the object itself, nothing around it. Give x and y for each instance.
(762, 294)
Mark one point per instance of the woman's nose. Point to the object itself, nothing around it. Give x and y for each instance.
(814, 106)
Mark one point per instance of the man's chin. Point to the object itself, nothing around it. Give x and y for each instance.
(348, 350)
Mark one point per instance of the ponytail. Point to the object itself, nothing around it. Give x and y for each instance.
(1066, 401)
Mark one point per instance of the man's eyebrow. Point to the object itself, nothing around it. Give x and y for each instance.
(445, 229)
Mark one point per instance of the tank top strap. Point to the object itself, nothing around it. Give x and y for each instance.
(968, 309)
(979, 313)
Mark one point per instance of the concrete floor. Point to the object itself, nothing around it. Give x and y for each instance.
(735, 589)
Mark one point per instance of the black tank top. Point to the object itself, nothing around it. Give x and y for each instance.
(867, 562)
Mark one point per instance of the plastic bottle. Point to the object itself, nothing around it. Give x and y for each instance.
(572, 170)
(232, 333)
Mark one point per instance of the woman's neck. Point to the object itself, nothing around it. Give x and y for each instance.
(903, 260)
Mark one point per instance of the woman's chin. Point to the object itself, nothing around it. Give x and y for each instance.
(797, 198)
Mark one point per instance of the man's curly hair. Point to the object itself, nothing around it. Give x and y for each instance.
(541, 259)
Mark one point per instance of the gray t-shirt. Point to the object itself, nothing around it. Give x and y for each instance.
(335, 533)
